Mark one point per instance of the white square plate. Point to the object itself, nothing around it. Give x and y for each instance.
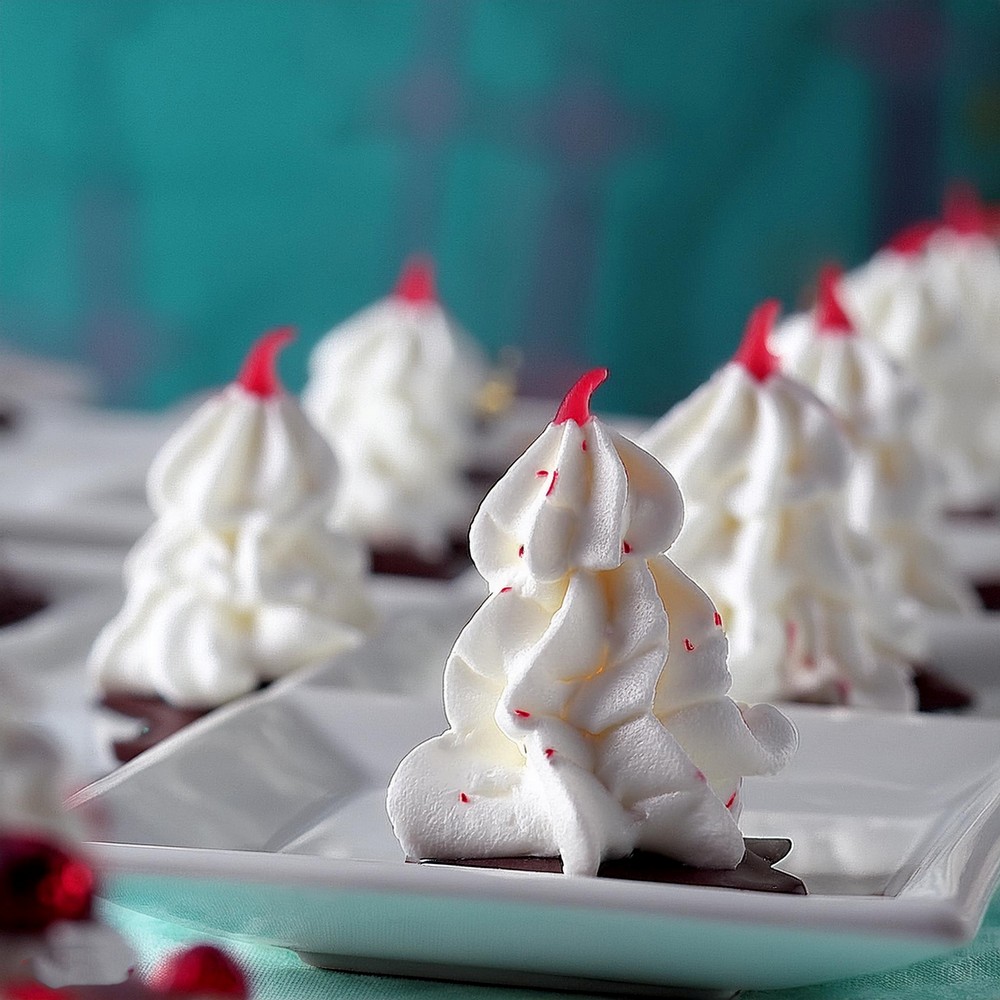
(266, 821)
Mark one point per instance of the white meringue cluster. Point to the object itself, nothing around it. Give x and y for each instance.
(587, 698)
(239, 581)
(393, 390)
(762, 464)
(890, 490)
(932, 300)
(61, 943)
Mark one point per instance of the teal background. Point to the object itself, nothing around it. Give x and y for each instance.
(600, 181)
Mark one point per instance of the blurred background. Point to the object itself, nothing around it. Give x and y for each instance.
(600, 181)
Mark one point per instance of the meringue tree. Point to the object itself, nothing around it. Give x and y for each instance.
(931, 298)
(240, 580)
(586, 699)
(394, 390)
(762, 464)
(890, 494)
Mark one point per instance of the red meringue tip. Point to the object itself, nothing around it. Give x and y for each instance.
(753, 353)
(576, 405)
(202, 971)
(830, 316)
(964, 211)
(259, 374)
(416, 281)
(912, 240)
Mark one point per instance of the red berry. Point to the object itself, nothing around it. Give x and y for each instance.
(30, 991)
(201, 971)
(41, 884)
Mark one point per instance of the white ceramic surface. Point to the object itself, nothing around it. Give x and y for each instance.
(78, 474)
(283, 839)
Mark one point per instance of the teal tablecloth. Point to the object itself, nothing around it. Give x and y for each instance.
(970, 973)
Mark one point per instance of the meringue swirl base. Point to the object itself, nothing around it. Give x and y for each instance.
(8, 416)
(754, 872)
(160, 720)
(18, 601)
(407, 562)
(989, 594)
(938, 694)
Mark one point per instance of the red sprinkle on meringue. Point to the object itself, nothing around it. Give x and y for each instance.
(718, 619)
(542, 473)
(689, 645)
(831, 319)
(912, 240)
(259, 375)
(520, 552)
(583, 445)
(549, 752)
(753, 353)
(552, 484)
(416, 282)
(964, 211)
(202, 971)
(791, 631)
(462, 797)
(732, 799)
(506, 590)
(700, 775)
(626, 548)
(576, 405)
(522, 714)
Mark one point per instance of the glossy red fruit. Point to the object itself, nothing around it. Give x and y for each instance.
(30, 991)
(41, 884)
(202, 971)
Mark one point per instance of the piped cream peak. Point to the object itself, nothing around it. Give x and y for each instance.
(753, 353)
(831, 320)
(964, 212)
(576, 405)
(416, 282)
(912, 241)
(259, 374)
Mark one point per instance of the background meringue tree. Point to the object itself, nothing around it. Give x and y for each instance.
(762, 464)
(239, 580)
(586, 698)
(891, 485)
(394, 391)
(931, 299)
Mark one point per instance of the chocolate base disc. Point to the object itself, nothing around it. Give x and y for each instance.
(937, 694)
(18, 601)
(983, 513)
(989, 594)
(753, 872)
(159, 719)
(8, 417)
(405, 562)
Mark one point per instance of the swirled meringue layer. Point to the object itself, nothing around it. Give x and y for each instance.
(587, 698)
(393, 391)
(239, 580)
(891, 489)
(762, 466)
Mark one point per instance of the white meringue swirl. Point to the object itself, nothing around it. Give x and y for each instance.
(393, 390)
(239, 581)
(586, 699)
(762, 466)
